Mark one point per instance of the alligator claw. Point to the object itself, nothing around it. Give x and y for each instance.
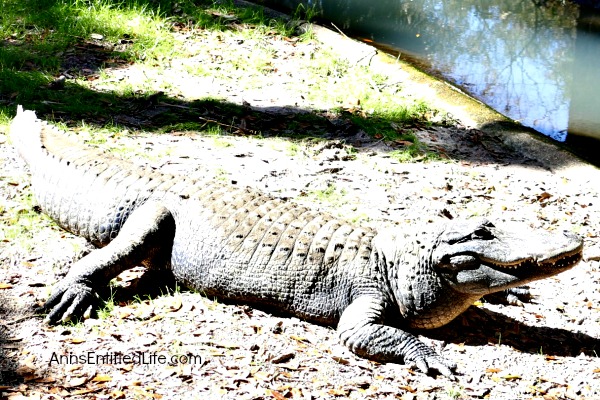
(68, 302)
(431, 361)
(516, 296)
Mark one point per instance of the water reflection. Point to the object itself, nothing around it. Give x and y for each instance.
(529, 60)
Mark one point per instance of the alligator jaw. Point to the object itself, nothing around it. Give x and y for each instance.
(561, 262)
(507, 276)
(489, 259)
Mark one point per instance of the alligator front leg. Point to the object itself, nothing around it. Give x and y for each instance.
(146, 239)
(361, 330)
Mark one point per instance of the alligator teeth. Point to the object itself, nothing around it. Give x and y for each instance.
(510, 266)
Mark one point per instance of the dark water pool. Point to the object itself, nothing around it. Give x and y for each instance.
(537, 62)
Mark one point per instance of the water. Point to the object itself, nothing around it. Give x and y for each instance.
(538, 64)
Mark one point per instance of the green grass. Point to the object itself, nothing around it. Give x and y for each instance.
(413, 151)
(42, 29)
(108, 306)
(90, 39)
(38, 37)
(19, 224)
(331, 194)
(454, 392)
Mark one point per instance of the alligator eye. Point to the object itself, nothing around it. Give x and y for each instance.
(482, 234)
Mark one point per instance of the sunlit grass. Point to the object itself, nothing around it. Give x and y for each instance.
(37, 36)
(213, 40)
(40, 30)
(19, 224)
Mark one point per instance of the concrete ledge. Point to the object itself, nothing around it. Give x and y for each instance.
(441, 95)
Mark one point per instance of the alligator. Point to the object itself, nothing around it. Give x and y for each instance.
(239, 244)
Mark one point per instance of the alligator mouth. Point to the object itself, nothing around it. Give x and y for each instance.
(564, 261)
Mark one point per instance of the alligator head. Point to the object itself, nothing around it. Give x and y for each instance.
(477, 258)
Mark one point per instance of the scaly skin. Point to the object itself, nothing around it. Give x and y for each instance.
(237, 243)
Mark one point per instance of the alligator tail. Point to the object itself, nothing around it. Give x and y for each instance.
(26, 133)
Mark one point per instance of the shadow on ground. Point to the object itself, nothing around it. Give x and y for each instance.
(480, 327)
(475, 327)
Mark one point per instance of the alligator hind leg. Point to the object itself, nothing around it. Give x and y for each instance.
(146, 239)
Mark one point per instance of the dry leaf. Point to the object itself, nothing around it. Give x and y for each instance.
(543, 196)
(77, 381)
(299, 338)
(341, 360)
(511, 377)
(275, 394)
(27, 376)
(175, 305)
(283, 358)
(5, 285)
(102, 378)
(408, 388)
(338, 392)
(156, 318)
(79, 392)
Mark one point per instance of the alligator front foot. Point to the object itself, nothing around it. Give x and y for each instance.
(69, 301)
(361, 330)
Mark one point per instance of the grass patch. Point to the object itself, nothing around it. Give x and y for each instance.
(108, 305)
(391, 124)
(166, 47)
(331, 194)
(39, 39)
(413, 150)
(19, 223)
(38, 32)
